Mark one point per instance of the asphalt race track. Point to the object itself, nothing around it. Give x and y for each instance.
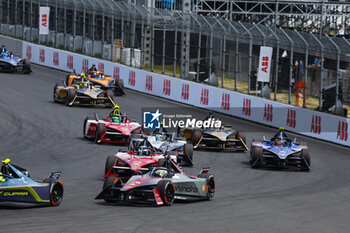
(40, 135)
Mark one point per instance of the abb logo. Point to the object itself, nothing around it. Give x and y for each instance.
(205, 96)
(55, 58)
(247, 107)
(268, 112)
(149, 85)
(116, 73)
(132, 76)
(101, 67)
(85, 65)
(265, 64)
(225, 101)
(44, 20)
(42, 55)
(166, 87)
(291, 118)
(185, 91)
(316, 124)
(69, 61)
(29, 52)
(342, 131)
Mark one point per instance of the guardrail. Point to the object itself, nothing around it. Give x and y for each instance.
(306, 122)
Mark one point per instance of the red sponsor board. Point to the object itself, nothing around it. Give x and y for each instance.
(316, 124)
(205, 96)
(185, 91)
(132, 76)
(268, 112)
(247, 107)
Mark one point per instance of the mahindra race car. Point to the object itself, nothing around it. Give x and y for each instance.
(280, 151)
(139, 157)
(160, 185)
(218, 138)
(110, 130)
(82, 93)
(16, 186)
(11, 63)
(100, 79)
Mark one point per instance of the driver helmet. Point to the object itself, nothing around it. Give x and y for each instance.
(94, 75)
(116, 119)
(159, 137)
(278, 142)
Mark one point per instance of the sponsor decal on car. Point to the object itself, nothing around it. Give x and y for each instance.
(9, 194)
(188, 188)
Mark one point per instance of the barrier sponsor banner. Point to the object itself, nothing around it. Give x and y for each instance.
(44, 16)
(303, 121)
(265, 59)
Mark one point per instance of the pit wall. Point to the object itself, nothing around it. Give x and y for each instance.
(306, 122)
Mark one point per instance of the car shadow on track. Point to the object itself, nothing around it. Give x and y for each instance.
(273, 168)
(17, 206)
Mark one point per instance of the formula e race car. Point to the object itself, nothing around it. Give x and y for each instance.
(161, 142)
(113, 129)
(11, 63)
(139, 157)
(100, 79)
(16, 186)
(82, 93)
(217, 138)
(280, 151)
(161, 185)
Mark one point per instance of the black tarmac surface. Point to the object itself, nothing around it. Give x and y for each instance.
(42, 136)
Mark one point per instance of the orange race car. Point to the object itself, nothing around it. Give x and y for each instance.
(98, 78)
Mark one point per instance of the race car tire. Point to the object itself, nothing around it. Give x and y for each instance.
(305, 159)
(241, 135)
(255, 153)
(100, 130)
(110, 162)
(118, 89)
(121, 83)
(188, 151)
(161, 162)
(60, 83)
(166, 192)
(196, 136)
(110, 182)
(71, 95)
(26, 67)
(210, 187)
(56, 193)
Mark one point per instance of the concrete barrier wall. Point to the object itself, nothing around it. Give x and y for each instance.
(306, 122)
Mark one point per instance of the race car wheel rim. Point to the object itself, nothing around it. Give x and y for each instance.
(211, 188)
(169, 194)
(56, 195)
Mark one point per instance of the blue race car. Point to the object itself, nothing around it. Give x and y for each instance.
(16, 186)
(11, 63)
(280, 151)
